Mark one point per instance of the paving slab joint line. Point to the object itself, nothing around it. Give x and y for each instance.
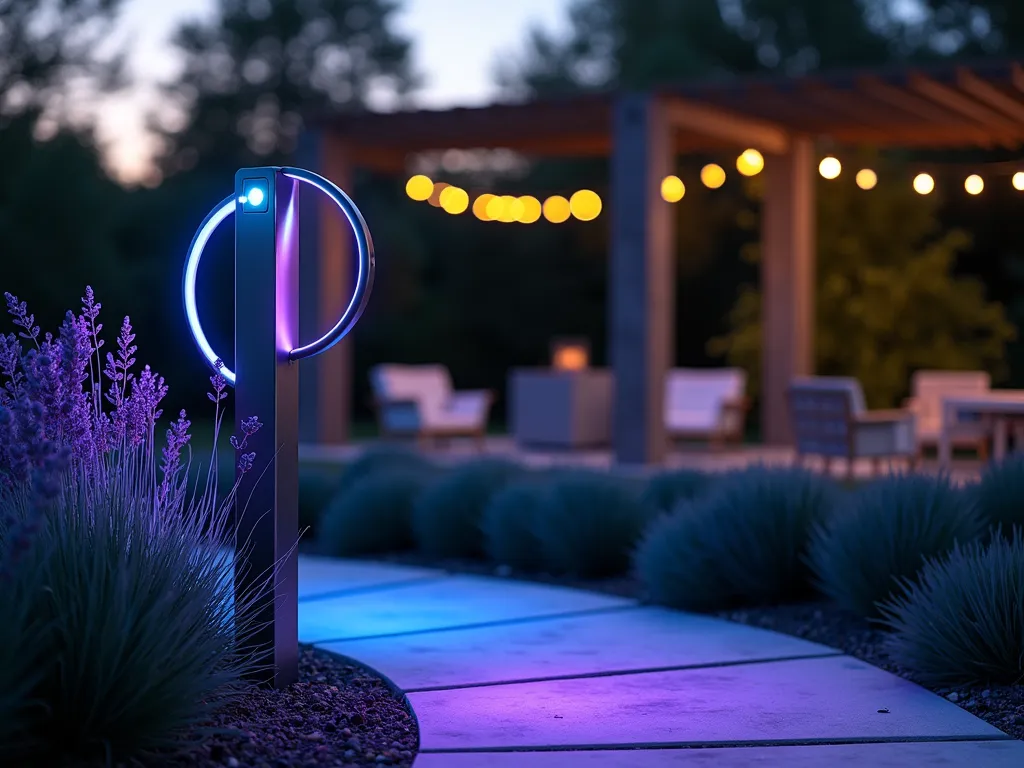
(410, 582)
(482, 624)
(698, 745)
(627, 672)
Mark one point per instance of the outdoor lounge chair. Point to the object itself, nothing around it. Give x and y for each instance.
(706, 404)
(928, 388)
(419, 401)
(829, 420)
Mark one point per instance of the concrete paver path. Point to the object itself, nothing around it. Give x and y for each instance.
(506, 674)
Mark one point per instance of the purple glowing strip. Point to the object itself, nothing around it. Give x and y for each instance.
(360, 296)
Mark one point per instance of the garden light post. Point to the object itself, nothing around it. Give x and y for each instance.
(266, 208)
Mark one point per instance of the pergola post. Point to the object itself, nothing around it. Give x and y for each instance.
(325, 285)
(787, 282)
(641, 280)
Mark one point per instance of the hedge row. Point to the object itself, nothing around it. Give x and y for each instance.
(912, 552)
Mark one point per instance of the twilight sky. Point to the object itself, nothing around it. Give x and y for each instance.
(456, 45)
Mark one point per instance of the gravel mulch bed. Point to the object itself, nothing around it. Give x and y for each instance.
(336, 715)
(816, 621)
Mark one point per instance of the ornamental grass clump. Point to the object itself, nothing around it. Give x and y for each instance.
(510, 525)
(121, 631)
(882, 534)
(590, 524)
(374, 516)
(446, 518)
(666, 489)
(962, 620)
(999, 494)
(745, 542)
(381, 458)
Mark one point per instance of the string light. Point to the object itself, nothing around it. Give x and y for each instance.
(454, 200)
(866, 178)
(750, 163)
(435, 196)
(480, 206)
(419, 187)
(712, 175)
(923, 184)
(1018, 181)
(830, 168)
(672, 189)
(556, 209)
(531, 209)
(974, 184)
(585, 205)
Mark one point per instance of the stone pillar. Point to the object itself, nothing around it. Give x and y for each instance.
(787, 282)
(326, 280)
(641, 280)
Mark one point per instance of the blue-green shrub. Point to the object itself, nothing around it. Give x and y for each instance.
(446, 518)
(317, 488)
(744, 542)
(666, 489)
(999, 495)
(509, 525)
(882, 535)
(374, 515)
(962, 619)
(381, 458)
(590, 525)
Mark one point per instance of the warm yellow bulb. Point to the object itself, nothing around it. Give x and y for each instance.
(419, 187)
(480, 206)
(556, 209)
(672, 189)
(712, 175)
(750, 163)
(454, 200)
(585, 205)
(830, 168)
(974, 184)
(531, 209)
(511, 209)
(1018, 181)
(923, 184)
(866, 178)
(495, 208)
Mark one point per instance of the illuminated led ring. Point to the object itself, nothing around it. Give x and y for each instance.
(364, 278)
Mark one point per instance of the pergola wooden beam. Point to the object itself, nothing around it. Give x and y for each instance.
(1001, 127)
(987, 93)
(742, 130)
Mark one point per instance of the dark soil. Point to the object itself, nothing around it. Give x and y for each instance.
(336, 715)
(817, 621)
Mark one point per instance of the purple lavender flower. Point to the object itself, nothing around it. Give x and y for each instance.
(218, 382)
(245, 462)
(170, 468)
(22, 319)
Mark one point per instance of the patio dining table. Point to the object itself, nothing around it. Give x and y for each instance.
(1000, 410)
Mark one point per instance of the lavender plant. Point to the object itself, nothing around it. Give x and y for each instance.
(121, 628)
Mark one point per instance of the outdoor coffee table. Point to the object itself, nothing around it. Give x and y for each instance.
(1000, 410)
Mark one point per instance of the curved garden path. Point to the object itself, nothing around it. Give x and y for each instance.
(505, 674)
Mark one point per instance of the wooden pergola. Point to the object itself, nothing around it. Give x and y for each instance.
(979, 105)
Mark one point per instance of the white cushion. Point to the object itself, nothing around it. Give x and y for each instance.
(694, 397)
(432, 404)
(930, 387)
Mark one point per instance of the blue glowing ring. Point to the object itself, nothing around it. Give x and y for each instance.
(360, 296)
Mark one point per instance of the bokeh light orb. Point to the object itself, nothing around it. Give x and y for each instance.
(866, 178)
(1018, 181)
(923, 184)
(454, 200)
(531, 209)
(974, 184)
(556, 209)
(712, 175)
(585, 205)
(672, 189)
(419, 187)
(750, 162)
(480, 206)
(830, 168)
